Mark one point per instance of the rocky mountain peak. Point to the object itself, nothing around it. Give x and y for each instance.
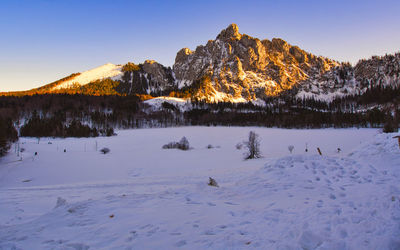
(182, 54)
(239, 66)
(230, 33)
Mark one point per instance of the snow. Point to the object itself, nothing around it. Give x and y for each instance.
(184, 104)
(108, 70)
(181, 103)
(140, 196)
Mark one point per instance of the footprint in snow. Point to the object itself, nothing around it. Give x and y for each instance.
(244, 223)
(180, 243)
(152, 231)
(209, 232)
(343, 233)
(231, 203)
(79, 246)
(241, 232)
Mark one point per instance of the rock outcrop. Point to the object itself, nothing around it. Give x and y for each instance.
(147, 78)
(240, 67)
(344, 80)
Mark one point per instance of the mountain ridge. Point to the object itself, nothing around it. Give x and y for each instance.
(234, 67)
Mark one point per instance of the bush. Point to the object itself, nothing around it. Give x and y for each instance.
(389, 127)
(183, 144)
(170, 145)
(212, 182)
(253, 146)
(105, 150)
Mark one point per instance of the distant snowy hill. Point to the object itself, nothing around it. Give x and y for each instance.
(108, 70)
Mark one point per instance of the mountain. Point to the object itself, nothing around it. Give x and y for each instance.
(234, 67)
(345, 80)
(240, 67)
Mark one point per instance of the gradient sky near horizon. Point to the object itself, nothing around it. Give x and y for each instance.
(45, 40)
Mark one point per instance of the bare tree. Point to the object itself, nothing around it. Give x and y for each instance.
(253, 146)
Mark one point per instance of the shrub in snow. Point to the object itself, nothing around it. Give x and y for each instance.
(390, 127)
(105, 150)
(253, 146)
(183, 144)
(239, 146)
(60, 202)
(170, 145)
(212, 182)
(290, 147)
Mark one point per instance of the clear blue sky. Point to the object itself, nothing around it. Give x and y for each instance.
(42, 41)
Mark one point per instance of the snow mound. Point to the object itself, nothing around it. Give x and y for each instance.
(108, 70)
(180, 103)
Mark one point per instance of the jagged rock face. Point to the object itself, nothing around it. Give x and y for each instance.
(383, 70)
(151, 78)
(243, 67)
(347, 80)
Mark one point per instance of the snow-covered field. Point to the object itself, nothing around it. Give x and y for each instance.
(140, 196)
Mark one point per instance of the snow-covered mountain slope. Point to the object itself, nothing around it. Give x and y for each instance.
(345, 80)
(130, 199)
(108, 70)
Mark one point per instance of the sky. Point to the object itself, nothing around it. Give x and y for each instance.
(45, 40)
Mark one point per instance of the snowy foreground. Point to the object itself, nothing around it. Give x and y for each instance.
(140, 196)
